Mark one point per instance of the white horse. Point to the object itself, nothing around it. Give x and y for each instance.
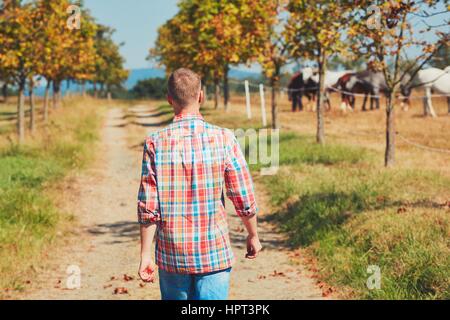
(331, 78)
(433, 80)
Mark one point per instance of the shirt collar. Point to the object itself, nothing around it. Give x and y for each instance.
(187, 116)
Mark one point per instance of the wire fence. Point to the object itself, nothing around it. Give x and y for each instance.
(337, 90)
(259, 90)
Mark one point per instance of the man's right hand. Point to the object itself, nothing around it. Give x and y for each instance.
(253, 247)
(147, 270)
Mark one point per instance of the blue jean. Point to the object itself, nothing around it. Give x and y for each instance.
(207, 286)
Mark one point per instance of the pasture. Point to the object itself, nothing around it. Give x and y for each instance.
(340, 208)
(359, 207)
(341, 204)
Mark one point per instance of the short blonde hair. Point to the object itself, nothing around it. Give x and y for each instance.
(184, 86)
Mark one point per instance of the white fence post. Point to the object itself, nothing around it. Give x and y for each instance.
(247, 100)
(263, 104)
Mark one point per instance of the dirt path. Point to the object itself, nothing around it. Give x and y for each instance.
(106, 247)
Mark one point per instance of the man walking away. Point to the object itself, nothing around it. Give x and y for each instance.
(186, 169)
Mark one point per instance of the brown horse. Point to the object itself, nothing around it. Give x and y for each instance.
(298, 86)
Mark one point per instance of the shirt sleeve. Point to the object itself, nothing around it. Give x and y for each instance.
(238, 182)
(148, 202)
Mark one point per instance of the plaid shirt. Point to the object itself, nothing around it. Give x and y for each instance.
(185, 167)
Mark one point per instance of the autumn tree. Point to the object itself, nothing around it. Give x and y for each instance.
(210, 36)
(385, 32)
(441, 59)
(178, 46)
(18, 55)
(273, 54)
(314, 32)
(66, 53)
(109, 70)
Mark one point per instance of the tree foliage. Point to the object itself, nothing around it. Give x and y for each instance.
(384, 32)
(35, 41)
(315, 32)
(209, 36)
(154, 88)
(109, 70)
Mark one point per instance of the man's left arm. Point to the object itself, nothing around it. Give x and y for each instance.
(148, 210)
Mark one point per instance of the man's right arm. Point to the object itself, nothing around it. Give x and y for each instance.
(240, 191)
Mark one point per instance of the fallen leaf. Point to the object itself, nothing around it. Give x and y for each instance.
(327, 292)
(142, 285)
(121, 290)
(107, 286)
(401, 210)
(127, 277)
(277, 274)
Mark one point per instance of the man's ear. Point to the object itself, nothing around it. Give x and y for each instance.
(169, 100)
(201, 97)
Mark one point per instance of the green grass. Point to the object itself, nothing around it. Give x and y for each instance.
(351, 215)
(337, 202)
(28, 216)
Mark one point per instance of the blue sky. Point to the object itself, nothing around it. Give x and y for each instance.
(136, 23)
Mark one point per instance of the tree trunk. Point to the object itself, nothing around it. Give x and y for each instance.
(95, 89)
(56, 94)
(83, 89)
(320, 135)
(389, 158)
(32, 107)
(5, 92)
(46, 100)
(226, 91)
(205, 93)
(216, 94)
(21, 113)
(274, 89)
(109, 96)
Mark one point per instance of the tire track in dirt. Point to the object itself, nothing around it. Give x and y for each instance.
(106, 242)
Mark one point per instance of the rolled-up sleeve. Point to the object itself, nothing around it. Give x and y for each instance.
(238, 181)
(148, 202)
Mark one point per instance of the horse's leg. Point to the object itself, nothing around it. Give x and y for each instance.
(378, 99)
(344, 103)
(428, 106)
(300, 101)
(328, 101)
(294, 102)
(448, 104)
(308, 96)
(364, 103)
